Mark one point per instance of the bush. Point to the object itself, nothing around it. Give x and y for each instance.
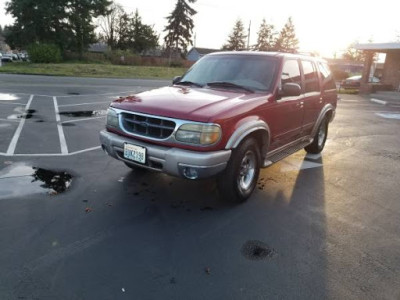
(44, 53)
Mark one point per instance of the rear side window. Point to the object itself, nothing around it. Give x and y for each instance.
(291, 72)
(310, 77)
(328, 82)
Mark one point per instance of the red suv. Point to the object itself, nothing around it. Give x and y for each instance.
(229, 115)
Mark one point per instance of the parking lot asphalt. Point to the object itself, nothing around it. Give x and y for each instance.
(76, 224)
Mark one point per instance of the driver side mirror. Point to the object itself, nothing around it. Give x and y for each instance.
(290, 89)
(176, 79)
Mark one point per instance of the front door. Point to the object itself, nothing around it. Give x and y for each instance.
(288, 111)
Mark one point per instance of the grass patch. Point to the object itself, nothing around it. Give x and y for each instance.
(92, 70)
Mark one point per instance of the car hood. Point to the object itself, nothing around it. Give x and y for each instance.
(195, 104)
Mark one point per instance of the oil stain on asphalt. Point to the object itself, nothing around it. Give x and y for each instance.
(257, 250)
(20, 179)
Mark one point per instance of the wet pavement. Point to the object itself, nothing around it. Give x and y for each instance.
(80, 225)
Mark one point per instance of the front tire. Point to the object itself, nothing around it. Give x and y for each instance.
(319, 139)
(239, 179)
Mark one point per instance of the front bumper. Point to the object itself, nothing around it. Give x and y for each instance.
(173, 161)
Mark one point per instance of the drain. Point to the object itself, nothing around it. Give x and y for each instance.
(257, 250)
(73, 93)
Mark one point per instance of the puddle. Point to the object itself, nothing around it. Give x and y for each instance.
(21, 180)
(23, 114)
(8, 97)
(84, 113)
(73, 93)
(257, 250)
(68, 124)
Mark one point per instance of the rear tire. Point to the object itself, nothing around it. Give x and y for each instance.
(239, 179)
(319, 139)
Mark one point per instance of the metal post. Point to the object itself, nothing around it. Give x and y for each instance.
(248, 37)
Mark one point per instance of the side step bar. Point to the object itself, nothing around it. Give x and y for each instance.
(278, 154)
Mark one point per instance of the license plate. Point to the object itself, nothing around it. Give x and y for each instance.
(135, 153)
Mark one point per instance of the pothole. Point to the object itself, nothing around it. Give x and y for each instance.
(20, 180)
(257, 250)
(84, 113)
(26, 114)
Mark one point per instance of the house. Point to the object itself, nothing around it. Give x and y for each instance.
(98, 48)
(348, 66)
(196, 53)
(391, 69)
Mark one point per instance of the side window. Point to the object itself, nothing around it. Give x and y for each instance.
(328, 82)
(310, 76)
(291, 72)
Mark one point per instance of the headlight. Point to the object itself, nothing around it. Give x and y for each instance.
(198, 134)
(112, 118)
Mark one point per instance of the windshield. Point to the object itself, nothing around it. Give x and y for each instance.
(254, 72)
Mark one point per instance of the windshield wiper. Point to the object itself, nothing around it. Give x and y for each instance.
(189, 83)
(230, 84)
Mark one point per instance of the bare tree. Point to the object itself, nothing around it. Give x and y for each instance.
(109, 25)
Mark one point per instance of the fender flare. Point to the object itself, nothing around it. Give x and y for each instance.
(327, 108)
(244, 130)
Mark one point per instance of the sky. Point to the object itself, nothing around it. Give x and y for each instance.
(327, 27)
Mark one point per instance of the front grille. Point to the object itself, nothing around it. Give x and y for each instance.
(147, 126)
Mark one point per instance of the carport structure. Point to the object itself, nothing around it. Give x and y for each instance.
(391, 70)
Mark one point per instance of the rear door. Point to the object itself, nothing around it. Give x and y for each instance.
(313, 101)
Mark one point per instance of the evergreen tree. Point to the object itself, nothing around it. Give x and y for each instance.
(237, 39)
(266, 37)
(143, 36)
(180, 26)
(287, 40)
(67, 23)
(80, 16)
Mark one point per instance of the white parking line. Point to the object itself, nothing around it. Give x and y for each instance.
(378, 101)
(87, 103)
(13, 103)
(51, 154)
(85, 119)
(9, 120)
(63, 142)
(13, 143)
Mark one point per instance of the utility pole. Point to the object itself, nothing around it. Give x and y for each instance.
(248, 37)
(194, 42)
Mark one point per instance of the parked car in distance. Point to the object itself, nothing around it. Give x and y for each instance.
(7, 57)
(229, 115)
(354, 82)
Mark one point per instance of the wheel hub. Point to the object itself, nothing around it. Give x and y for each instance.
(247, 171)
